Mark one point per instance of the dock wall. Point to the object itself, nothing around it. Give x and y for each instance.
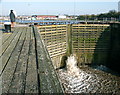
(88, 42)
(55, 39)
(114, 54)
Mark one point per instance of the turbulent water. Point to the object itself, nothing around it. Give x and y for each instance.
(87, 80)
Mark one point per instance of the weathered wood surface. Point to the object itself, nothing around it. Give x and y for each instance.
(5, 36)
(8, 41)
(5, 56)
(48, 78)
(26, 65)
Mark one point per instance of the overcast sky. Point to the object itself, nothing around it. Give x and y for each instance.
(55, 7)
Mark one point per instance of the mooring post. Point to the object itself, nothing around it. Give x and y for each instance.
(69, 39)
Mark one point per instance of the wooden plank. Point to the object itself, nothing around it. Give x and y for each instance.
(46, 26)
(31, 77)
(7, 54)
(57, 54)
(18, 83)
(8, 42)
(49, 82)
(5, 36)
(50, 74)
(0, 61)
(7, 75)
(80, 25)
(56, 44)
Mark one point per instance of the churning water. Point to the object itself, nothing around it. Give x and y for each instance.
(88, 80)
(72, 66)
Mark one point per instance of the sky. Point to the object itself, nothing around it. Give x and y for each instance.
(57, 7)
(60, 0)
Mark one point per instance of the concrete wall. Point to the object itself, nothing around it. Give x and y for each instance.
(114, 54)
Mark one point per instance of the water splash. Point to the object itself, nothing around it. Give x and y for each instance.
(72, 66)
(76, 80)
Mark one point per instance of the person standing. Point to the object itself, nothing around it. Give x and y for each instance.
(12, 18)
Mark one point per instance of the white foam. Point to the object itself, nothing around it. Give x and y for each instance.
(72, 66)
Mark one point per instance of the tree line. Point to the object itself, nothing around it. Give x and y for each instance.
(111, 15)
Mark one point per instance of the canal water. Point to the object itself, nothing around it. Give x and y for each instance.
(37, 21)
(48, 22)
(88, 80)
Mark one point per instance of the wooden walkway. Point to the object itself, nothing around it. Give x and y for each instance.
(26, 65)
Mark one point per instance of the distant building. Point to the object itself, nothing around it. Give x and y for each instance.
(62, 16)
(46, 17)
(119, 6)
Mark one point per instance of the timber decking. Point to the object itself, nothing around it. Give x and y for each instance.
(26, 65)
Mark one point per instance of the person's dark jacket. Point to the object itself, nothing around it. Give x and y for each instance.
(12, 16)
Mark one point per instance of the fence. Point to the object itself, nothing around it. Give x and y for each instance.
(83, 40)
(88, 40)
(55, 38)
